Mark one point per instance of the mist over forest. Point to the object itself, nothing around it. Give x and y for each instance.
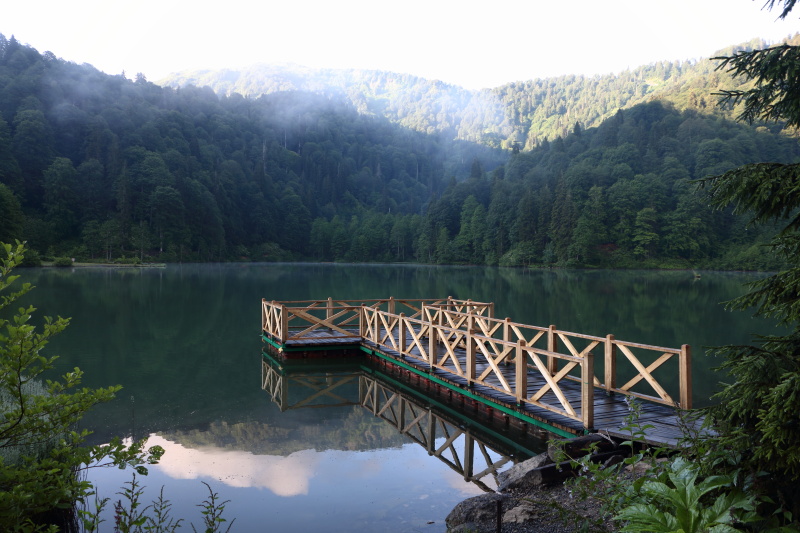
(287, 163)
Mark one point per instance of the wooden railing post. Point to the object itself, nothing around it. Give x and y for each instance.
(329, 310)
(470, 352)
(391, 305)
(433, 348)
(587, 390)
(685, 376)
(552, 346)
(491, 310)
(401, 334)
(521, 361)
(284, 323)
(362, 321)
(264, 315)
(610, 364)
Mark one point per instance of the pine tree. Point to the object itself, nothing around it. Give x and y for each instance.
(758, 413)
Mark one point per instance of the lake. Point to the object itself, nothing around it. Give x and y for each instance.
(184, 343)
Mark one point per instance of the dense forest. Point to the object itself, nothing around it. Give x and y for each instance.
(569, 171)
(521, 114)
(98, 165)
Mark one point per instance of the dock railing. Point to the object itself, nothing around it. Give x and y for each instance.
(639, 361)
(439, 350)
(434, 329)
(288, 321)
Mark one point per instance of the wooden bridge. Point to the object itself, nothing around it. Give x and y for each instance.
(538, 375)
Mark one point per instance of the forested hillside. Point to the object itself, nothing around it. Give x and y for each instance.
(97, 166)
(523, 113)
(617, 195)
(94, 165)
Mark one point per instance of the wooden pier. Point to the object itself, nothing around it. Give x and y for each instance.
(568, 383)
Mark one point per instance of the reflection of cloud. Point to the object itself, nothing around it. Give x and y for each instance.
(284, 476)
(456, 481)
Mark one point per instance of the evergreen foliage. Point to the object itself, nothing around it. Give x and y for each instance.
(758, 413)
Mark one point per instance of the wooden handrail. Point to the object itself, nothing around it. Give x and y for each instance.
(612, 347)
(434, 324)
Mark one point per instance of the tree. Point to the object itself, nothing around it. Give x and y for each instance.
(11, 217)
(758, 410)
(60, 197)
(40, 452)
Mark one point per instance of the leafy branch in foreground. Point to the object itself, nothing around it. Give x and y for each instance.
(40, 451)
(776, 90)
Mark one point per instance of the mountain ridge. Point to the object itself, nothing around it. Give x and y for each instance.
(520, 113)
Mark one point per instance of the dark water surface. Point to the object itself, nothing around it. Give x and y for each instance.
(184, 343)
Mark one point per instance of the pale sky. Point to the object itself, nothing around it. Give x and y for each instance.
(472, 43)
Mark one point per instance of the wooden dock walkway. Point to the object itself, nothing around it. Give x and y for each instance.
(539, 375)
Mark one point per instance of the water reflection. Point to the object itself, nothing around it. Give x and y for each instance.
(183, 342)
(476, 450)
(283, 476)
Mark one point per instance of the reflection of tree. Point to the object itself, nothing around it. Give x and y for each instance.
(356, 431)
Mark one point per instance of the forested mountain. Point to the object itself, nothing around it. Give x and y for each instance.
(100, 166)
(521, 113)
(616, 195)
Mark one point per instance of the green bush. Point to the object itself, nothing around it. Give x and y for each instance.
(62, 262)
(31, 259)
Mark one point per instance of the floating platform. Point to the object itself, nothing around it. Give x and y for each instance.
(538, 375)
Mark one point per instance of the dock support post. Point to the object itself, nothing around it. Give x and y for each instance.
(470, 351)
(685, 376)
(433, 345)
(264, 315)
(587, 390)
(552, 346)
(401, 333)
(284, 324)
(391, 305)
(329, 310)
(610, 380)
(431, 444)
(521, 361)
(469, 454)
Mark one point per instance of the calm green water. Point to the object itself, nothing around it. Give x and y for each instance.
(184, 343)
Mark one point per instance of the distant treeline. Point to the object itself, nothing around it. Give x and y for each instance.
(100, 166)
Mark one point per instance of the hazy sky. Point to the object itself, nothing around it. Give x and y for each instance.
(474, 43)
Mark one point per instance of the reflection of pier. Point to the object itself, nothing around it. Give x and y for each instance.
(568, 383)
(476, 450)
